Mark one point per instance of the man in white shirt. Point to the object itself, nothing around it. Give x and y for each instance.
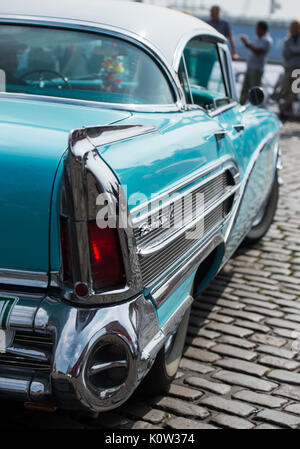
(259, 49)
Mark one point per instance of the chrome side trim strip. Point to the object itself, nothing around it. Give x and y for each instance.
(163, 291)
(22, 278)
(100, 136)
(209, 168)
(154, 210)
(93, 104)
(222, 109)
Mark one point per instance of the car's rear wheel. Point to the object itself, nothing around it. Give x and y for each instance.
(167, 361)
(265, 216)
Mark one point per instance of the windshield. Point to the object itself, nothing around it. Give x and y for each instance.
(80, 65)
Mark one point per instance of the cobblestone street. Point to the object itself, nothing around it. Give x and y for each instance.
(241, 368)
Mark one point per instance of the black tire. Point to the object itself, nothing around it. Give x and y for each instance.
(167, 361)
(266, 217)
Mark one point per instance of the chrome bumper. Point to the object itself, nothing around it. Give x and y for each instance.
(85, 343)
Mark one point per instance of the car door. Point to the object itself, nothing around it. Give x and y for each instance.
(207, 90)
(246, 127)
(208, 83)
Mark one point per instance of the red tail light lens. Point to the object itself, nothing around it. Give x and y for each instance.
(106, 258)
(66, 249)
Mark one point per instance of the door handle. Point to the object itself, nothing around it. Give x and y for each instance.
(220, 135)
(239, 128)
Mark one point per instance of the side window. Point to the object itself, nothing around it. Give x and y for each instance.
(81, 65)
(205, 72)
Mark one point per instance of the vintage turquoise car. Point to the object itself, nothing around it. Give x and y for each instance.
(129, 175)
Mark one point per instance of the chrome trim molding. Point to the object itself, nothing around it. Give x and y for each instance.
(22, 278)
(222, 109)
(202, 172)
(94, 104)
(232, 82)
(100, 136)
(22, 316)
(213, 37)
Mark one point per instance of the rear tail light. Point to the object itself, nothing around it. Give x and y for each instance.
(106, 258)
(66, 250)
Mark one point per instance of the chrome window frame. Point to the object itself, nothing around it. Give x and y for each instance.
(229, 70)
(186, 38)
(180, 75)
(229, 81)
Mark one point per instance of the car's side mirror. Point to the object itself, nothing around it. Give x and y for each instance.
(256, 96)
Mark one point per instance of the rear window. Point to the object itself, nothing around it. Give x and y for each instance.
(79, 65)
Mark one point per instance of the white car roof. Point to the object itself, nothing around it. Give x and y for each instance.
(163, 28)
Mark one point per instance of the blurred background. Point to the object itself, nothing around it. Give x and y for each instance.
(242, 16)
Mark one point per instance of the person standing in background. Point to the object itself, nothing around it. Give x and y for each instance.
(223, 27)
(256, 62)
(291, 57)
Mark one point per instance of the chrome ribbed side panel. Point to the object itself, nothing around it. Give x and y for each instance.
(210, 191)
(163, 261)
(163, 230)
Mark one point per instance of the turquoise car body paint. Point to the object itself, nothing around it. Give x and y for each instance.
(129, 175)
